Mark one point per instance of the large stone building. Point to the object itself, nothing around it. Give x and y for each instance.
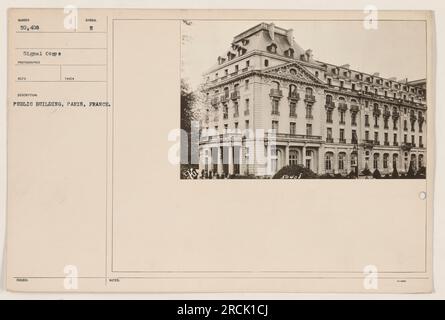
(269, 103)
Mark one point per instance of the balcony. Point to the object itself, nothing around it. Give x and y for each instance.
(292, 115)
(342, 122)
(406, 146)
(421, 145)
(294, 95)
(224, 98)
(275, 113)
(343, 106)
(330, 105)
(386, 143)
(395, 144)
(376, 142)
(354, 108)
(354, 141)
(330, 140)
(276, 93)
(309, 98)
(328, 120)
(342, 141)
(235, 95)
(247, 112)
(368, 143)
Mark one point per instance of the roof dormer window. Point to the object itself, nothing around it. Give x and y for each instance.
(272, 48)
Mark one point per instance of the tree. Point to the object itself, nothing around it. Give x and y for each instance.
(188, 114)
(376, 174)
(411, 170)
(295, 172)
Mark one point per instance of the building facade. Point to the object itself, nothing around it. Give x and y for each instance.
(269, 104)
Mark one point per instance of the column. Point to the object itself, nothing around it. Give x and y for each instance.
(220, 156)
(303, 156)
(286, 155)
(230, 160)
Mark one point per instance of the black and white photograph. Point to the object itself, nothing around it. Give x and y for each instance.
(303, 99)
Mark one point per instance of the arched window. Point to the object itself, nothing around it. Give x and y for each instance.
(293, 71)
(275, 85)
(376, 161)
(309, 91)
(385, 160)
(266, 63)
(328, 161)
(341, 161)
(353, 159)
(292, 90)
(420, 160)
(293, 157)
(328, 99)
(395, 160)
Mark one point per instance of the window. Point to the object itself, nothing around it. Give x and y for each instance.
(226, 126)
(275, 104)
(247, 64)
(328, 161)
(247, 104)
(353, 87)
(395, 124)
(354, 136)
(293, 109)
(308, 129)
(385, 160)
(395, 139)
(386, 137)
(236, 109)
(328, 99)
(366, 135)
(376, 137)
(329, 116)
(247, 125)
(329, 81)
(316, 74)
(292, 128)
(226, 72)
(376, 121)
(266, 63)
(342, 135)
(275, 125)
(342, 116)
(236, 125)
(420, 142)
(293, 157)
(341, 161)
(366, 120)
(309, 112)
(225, 111)
(413, 141)
(376, 160)
(385, 122)
(246, 84)
(405, 138)
(329, 135)
(342, 83)
(354, 118)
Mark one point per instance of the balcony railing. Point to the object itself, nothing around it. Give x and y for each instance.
(342, 106)
(225, 98)
(246, 112)
(330, 140)
(309, 98)
(420, 145)
(275, 112)
(406, 146)
(395, 143)
(294, 95)
(293, 136)
(330, 105)
(386, 143)
(292, 115)
(342, 141)
(376, 142)
(235, 95)
(276, 93)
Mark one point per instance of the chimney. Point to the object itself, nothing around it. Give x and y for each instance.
(272, 31)
(376, 74)
(290, 36)
(346, 66)
(309, 55)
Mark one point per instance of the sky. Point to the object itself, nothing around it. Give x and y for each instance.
(394, 49)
